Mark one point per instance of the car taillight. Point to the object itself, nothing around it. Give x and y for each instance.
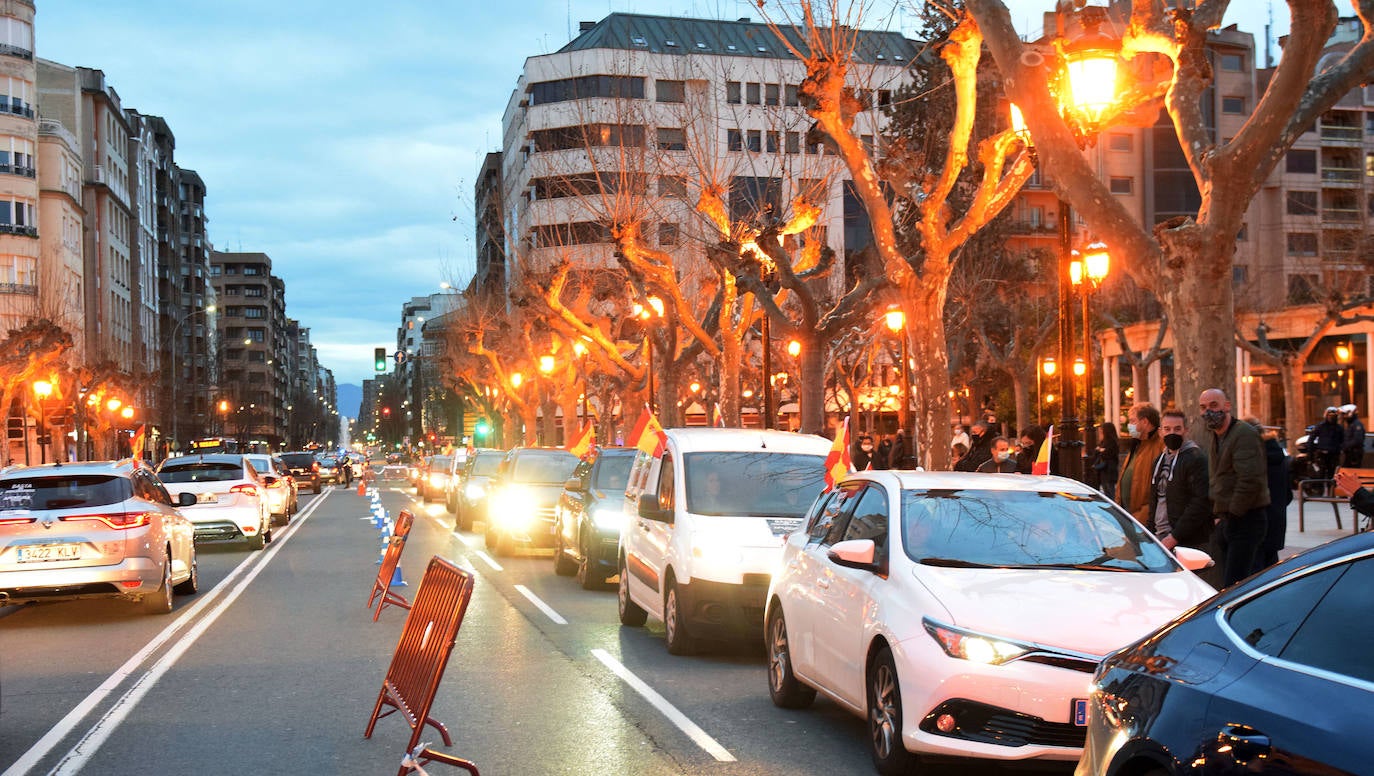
(16, 520)
(119, 520)
(247, 490)
(314, 467)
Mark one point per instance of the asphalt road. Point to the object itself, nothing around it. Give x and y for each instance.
(273, 668)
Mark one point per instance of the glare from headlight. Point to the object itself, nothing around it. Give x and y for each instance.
(513, 507)
(475, 491)
(973, 647)
(608, 518)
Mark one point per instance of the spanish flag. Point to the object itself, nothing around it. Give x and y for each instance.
(648, 434)
(140, 439)
(585, 443)
(839, 462)
(1042, 459)
(717, 419)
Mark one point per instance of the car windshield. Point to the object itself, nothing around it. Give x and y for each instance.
(754, 483)
(440, 463)
(202, 471)
(486, 464)
(613, 473)
(298, 460)
(64, 492)
(1026, 529)
(547, 468)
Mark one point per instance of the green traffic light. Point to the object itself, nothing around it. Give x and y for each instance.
(379, 359)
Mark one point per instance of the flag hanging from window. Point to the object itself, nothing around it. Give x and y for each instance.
(840, 461)
(584, 444)
(1042, 459)
(648, 434)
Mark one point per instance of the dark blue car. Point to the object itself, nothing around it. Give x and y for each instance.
(1274, 675)
(589, 516)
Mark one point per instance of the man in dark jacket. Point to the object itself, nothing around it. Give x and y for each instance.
(1280, 494)
(1181, 511)
(1239, 486)
(1324, 444)
(980, 448)
(1352, 446)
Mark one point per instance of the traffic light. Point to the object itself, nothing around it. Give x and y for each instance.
(379, 359)
(482, 428)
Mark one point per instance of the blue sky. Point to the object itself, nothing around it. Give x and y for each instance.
(342, 138)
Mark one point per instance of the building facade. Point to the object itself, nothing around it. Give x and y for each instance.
(20, 275)
(252, 325)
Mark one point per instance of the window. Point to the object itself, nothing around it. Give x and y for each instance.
(672, 139)
(577, 233)
(1302, 244)
(790, 96)
(869, 520)
(751, 94)
(771, 144)
(670, 91)
(1233, 105)
(734, 140)
(19, 270)
(732, 92)
(770, 94)
(1122, 185)
(257, 335)
(254, 312)
(1267, 622)
(793, 143)
(1118, 141)
(754, 140)
(1301, 203)
(1244, 233)
(253, 269)
(233, 290)
(586, 86)
(1233, 63)
(667, 234)
(1336, 634)
(674, 186)
(1239, 275)
(1369, 162)
(594, 135)
(884, 98)
(1300, 160)
(254, 291)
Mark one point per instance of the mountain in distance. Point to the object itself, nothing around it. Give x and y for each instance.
(350, 399)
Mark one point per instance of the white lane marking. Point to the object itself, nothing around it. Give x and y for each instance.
(470, 541)
(539, 603)
(68, 723)
(494, 565)
(668, 710)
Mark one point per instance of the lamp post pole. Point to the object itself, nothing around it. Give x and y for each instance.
(176, 377)
(1070, 458)
(768, 415)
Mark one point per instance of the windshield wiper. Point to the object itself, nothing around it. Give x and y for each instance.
(956, 563)
(1079, 566)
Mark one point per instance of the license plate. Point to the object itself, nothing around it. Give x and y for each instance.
(207, 498)
(47, 553)
(1080, 712)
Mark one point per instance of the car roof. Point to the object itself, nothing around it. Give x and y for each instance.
(524, 451)
(922, 480)
(691, 440)
(206, 458)
(114, 468)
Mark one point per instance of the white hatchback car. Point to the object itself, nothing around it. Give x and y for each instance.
(279, 490)
(964, 614)
(230, 497)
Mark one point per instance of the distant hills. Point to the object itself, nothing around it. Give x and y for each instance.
(350, 400)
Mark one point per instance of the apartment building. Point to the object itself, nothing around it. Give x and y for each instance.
(61, 293)
(490, 274)
(252, 322)
(20, 275)
(637, 112)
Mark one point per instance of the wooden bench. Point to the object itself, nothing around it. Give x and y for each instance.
(1324, 492)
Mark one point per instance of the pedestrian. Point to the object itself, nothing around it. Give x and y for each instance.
(1239, 486)
(979, 449)
(1361, 499)
(1107, 462)
(863, 455)
(1280, 494)
(959, 435)
(901, 453)
(1325, 443)
(1001, 461)
(1133, 488)
(956, 451)
(1352, 447)
(1031, 438)
(1181, 509)
(883, 454)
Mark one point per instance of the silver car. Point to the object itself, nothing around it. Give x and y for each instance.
(93, 530)
(279, 490)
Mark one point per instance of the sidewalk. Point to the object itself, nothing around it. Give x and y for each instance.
(1321, 527)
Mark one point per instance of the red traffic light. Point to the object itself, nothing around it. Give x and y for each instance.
(386, 412)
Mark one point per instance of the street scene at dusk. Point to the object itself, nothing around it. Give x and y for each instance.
(843, 386)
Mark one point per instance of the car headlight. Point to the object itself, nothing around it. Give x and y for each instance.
(608, 518)
(512, 507)
(475, 491)
(973, 647)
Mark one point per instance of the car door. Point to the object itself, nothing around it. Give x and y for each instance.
(850, 595)
(800, 588)
(648, 559)
(572, 506)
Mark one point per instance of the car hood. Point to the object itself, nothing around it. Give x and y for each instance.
(1086, 611)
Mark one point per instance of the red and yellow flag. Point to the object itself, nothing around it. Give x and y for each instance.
(1042, 459)
(585, 442)
(648, 434)
(840, 461)
(140, 439)
(717, 419)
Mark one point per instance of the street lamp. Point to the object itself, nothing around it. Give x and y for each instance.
(896, 322)
(42, 389)
(1047, 368)
(1345, 354)
(581, 351)
(1086, 273)
(176, 375)
(644, 313)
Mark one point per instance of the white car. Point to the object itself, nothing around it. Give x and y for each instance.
(278, 489)
(964, 614)
(230, 497)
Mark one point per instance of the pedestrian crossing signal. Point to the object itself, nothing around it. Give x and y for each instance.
(379, 359)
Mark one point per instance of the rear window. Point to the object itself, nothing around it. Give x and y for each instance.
(441, 463)
(200, 472)
(544, 468)
(486, 464)
(298, 460)
(88, 490)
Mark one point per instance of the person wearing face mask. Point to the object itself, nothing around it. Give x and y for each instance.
(1002, 461)
(1325, 441)
(1352, 448)
(1181, 510)
(1134, 489)
(979, 449)
(1031, 439)
(1280, 494)
(863, 454)
(1238, 484)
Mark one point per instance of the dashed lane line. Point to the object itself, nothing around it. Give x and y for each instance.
(540, 605)
(683, 723)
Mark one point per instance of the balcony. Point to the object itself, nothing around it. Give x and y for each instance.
(11, 50)
(1340, 217)
(19, 229)
(1342, 134)
(1022, 226)
(17, 169)
(16, 109)
(1342, 175)
(22, 289)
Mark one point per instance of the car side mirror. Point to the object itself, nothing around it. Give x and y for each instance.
(649, 509)
(574, 485)
(855, 554)
(269, 480)
(186, 499)
(1193, 559)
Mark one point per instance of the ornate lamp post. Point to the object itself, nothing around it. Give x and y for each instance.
(42, 389)
(653, 310)
(1086, 273)
(581, 351)
(1047, 368)
(1345, 354)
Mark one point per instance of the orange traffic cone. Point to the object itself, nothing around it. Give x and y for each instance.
(362, 488)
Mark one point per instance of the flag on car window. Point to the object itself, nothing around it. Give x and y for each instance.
(1042, 458)
(584, 443)
(138, 442)
(717, 419)
(648, 434)
(840, 461)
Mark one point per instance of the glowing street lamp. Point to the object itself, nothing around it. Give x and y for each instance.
(793, 348)
(546, 365)
(653, 310)
(42, 389)
(895, 319)
(1345, 354)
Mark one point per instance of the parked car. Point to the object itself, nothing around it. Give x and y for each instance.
(304, 469)
(434, 481)
(280, 490)
(454, 484)
(706, 529)
(590, 515)
(230, 503)
(94, 530)
(523, 494)
(1272, 676)
(482, 465)
(394, 472)
(963, 614)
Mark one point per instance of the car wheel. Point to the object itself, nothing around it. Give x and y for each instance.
(257, 541)
(586, 577)
(630, 612)
(160, 601)
(266, 532)
(463, 520)
(783, 687)
(563, 566)
(890, 756)
(451, 505)
(505, 545)
(491, 539)
(675, 635)
(191, 584)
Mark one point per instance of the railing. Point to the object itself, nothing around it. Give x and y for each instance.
(18, 288)
(6, 106)
(1031, 227)
(1341, 174)
(11, 50)
(1344, 215)
(19, 229)
(1342, 133)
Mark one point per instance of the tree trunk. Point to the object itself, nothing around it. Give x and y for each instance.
(924, 304)
(731, 359)
(1201, 309)
(811, 392)
(1294, 421)
(1020, 391)
(529, 418)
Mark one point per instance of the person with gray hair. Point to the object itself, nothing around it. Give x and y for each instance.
(1238, 484)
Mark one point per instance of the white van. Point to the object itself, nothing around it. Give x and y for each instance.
(706, 527)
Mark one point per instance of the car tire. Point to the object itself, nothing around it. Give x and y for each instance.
(451, 505)
(890, 756)
(783, 687)
(160, 601)
(505, 545)
(675, 635)
(630, 612)
(191, 584)
(257, 541)
(588, 579)
(490, 538)
(563, 566)
(463, 521)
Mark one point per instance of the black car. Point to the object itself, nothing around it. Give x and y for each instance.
(471, 499)
(304, 469)
(589, 516)
(522, 497)
(1270, 676)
